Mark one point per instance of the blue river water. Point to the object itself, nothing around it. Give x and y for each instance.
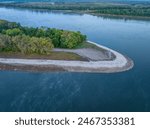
(66, 91)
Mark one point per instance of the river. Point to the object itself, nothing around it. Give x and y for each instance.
(66, 91)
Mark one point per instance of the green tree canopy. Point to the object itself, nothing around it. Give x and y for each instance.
(14, 37)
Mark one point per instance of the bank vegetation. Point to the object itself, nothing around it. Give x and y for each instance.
(28, 40)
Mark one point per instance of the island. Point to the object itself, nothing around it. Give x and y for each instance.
(50, 49)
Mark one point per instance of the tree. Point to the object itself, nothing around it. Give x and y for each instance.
(41, 45)
(39, 40)
(71, 39)
(5, 43)
(8, 25)
(12, 32)
(55, 35)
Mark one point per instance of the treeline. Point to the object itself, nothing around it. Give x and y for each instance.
(25, 44)
(14, 37)
(98, 8)
(126, 11)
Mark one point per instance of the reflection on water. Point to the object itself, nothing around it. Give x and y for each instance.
(126, 91)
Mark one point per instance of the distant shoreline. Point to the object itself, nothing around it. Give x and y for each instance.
(127, 17)
(87, 8)
(119, 64)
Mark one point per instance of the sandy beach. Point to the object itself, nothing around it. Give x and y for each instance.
(98, 62)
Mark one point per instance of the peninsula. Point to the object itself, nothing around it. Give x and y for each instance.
(46, 49)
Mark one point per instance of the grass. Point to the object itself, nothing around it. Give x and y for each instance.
(89, 45)
(51, 56)
(55, 55)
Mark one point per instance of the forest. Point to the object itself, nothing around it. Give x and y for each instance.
(28, 40)
(124, 9)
